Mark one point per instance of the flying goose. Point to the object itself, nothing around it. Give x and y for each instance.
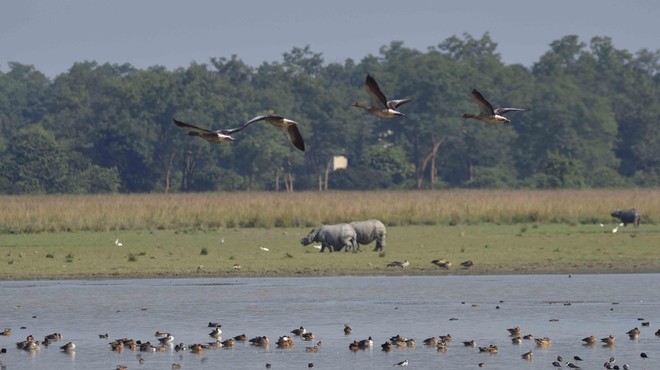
(290, 127)
(384, 108)
(486, 111)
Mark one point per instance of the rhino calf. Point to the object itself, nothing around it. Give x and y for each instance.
(627, 216)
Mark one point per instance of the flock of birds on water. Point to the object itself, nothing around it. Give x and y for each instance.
(382, 108)
(165, 342)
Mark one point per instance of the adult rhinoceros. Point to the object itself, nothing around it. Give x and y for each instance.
(370, 230)
(627, 216)
(333, 237)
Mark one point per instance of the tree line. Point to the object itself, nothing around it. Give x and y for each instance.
(593, 121)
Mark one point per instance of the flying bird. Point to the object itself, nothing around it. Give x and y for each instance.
(384, 108)
(290, 127)
(486, 111)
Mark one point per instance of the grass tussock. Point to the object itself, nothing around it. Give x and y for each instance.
(210, 211)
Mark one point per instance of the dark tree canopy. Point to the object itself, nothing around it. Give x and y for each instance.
(593, 121)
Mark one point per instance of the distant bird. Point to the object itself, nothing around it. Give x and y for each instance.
(167, 339)
(643, 355)
(264, 249)
(402, 265)
(384, 108)
(486, 111)
(577, 358)
(614, 231)
(572, 365)
(442, 263)
(527, 355)
(402, 363)
(633, 333)
(300, 331)
(216, 333)
(69, 347)
(237, 266)
(118, 243)
(543, 342)
(467, 264)
(290, 127)
(514, 331)
(556, 364)
(347, 329)
(589, 340)
(608, 340)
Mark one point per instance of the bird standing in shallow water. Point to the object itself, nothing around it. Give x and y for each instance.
(384, 108)
(486, 111)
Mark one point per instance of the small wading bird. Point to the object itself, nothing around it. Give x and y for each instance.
(290, 127)
(486, 111)
(384, 108)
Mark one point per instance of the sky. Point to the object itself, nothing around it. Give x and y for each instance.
(52, 35)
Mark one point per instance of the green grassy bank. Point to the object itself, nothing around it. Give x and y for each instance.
(494, 249)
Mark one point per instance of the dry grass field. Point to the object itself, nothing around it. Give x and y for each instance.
(208, 211)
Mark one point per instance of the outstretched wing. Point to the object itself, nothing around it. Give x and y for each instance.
(295, 137)
(372, 88)
(394, 104)
(484, 106)
(193, 127)
(503, 111)
(290, 127)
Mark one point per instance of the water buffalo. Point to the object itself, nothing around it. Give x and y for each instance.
(627, 216)
(333, 237)
(370, 230)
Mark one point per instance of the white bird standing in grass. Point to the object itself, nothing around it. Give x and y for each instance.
(264, 249)
(118, 243)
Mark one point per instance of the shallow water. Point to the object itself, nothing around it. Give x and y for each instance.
(417, 307)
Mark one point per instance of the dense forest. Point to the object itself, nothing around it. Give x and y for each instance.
(593, 121)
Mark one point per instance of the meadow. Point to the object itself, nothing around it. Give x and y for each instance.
(207, 234)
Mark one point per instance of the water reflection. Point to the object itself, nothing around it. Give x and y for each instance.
(478, 308)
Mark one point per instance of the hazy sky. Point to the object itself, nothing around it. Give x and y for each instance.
(53, 34)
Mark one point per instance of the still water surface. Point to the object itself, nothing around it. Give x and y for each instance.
(564, 308)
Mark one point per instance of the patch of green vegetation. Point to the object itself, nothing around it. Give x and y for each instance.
(492, 248)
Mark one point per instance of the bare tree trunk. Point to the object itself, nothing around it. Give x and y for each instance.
(429, 157)
(188, 168)
(289, 175)
(327, 173)
(277, 179)
(168, 173)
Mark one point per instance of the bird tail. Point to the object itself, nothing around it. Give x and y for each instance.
(469, 115)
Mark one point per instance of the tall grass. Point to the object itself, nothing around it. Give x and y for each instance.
(30, 214)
